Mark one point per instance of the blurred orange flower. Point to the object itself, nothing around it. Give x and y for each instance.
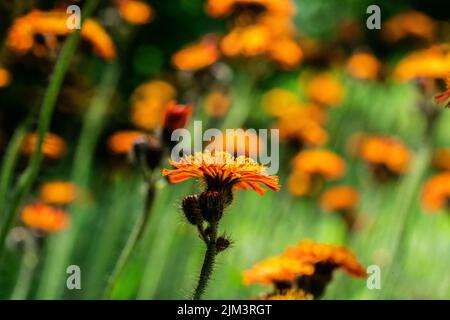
(314, 253)
(122, 142)
(325, 89)
(277, 269)
(58, 192)
(53, 146)
(217, 103)
(44, 217)
(436, 192)
(433, 62)
(238, 142)
(220, 171)
(290, 294)
(248, 41)
(135, 12)
(409, 24)
(386, 152)
(278, 101)
(319, 162)
(149, 102)
(198, 55)
(363, 66)
(339, 199)
(286, 51)
(5, 77)
(22, 33)
(222, 8)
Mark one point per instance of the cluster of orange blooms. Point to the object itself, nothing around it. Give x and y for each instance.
(53, 147)
(259, 28)
(46, 215)
(306, 260)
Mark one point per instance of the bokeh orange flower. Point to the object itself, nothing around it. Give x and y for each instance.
(53, 146)
(22, 33)
(433, 63)
(58, 192)
(238, 142)
(122, 142)
(385, 153)
(325, 90)
(222, 8)
(319, 162)
(277, 269)
(5, 77)
(363, 66)
(149, 102)
(135, 12)
(198, 55)
(217, 103)
(290, 294)
(410, 23)
(339, 199)
(436, 192)
(44, 217)
(221, 170)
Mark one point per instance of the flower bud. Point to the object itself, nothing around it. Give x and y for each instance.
(192, 210)
(222, 243)
(148, 151)
(176, 116)
(211, 205)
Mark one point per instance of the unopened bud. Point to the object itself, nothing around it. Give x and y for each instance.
(191, 210)
(148, 151)
(211, 204)
(222, 243)
(176, 116)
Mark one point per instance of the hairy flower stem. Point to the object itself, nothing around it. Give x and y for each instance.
(208, 262)
(46, 111)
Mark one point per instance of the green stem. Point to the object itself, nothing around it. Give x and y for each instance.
(48, 105)
(208, 263)
(132, 241)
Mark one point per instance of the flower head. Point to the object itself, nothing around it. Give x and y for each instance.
(409, 24)
(122, 142)
(363, 66)
(436, 192)
(44, 217)
(53, 146)
(220, 170)
(290, 294)
(58, 192)
(340, 198)
(441, 159)
(319, 162)
(325, 89)
(135, 12)
(277, 269)
(5, 77)
(199, 55)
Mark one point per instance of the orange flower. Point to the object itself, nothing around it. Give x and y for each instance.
(5, 77)
(217, 104)
(220, 170)
(313, 253)
(277, 269)
(286, 51)
(248, 41)
(198, 55)
(22, 33)
(135, 12)
(238, 142)
(291, 294)
(386, 152)
(436, 192)
(122, 142)
(319, 162)
(53, 146)
(299, 183)
(433, 62)
(325, 89)
(441, 159)
(58, 192)
(363, 66)
(149, 102)
(278, 101)
(341, 198)
(44, 217)
(409, 23)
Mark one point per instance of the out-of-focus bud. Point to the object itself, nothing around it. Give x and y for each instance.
(146, 150)
(211, 205)
(176, 116)
(222, 243)
(191, 209)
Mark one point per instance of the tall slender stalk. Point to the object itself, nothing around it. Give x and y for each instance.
(208, 262)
